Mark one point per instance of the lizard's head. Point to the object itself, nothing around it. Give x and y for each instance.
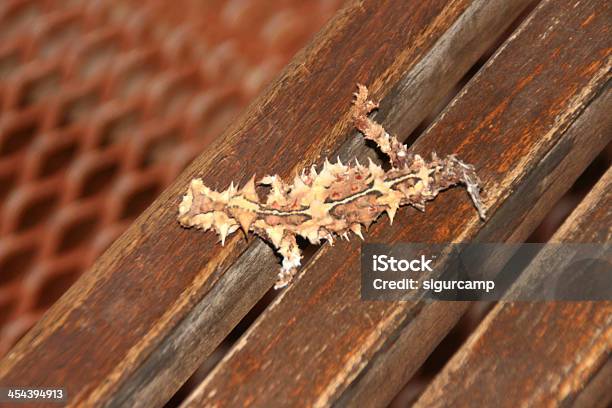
(207, 209)
(225, 211)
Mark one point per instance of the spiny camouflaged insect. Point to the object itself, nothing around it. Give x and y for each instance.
(335, 200)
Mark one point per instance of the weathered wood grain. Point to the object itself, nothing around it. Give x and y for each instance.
(517, 122)
(536, 353)
(597, 393)
(592, 126)
(126, 322)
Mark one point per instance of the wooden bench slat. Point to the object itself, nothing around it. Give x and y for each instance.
(597, 394)
(514, 122)
(158, 292)
(536, 353)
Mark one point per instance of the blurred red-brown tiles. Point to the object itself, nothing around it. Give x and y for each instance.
(102, 104)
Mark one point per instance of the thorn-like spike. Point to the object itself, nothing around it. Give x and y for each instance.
(423, 174)
(313, 171)
(248, 191)
(223, 231)
(375, 170)
(225, 195)
(276, 234)
(356, 228)
(245, 219)
(380, 185)
(391, 212)
(222, 224)
(326, 165)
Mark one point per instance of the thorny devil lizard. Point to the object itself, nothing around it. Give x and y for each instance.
(335, 200)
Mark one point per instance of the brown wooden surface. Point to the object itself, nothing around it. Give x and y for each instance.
(597, 393)
(162, 298)
(519, 122)
(537, 353)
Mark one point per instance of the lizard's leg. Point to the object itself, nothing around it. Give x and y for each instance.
(292, 255)
(372, 130)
